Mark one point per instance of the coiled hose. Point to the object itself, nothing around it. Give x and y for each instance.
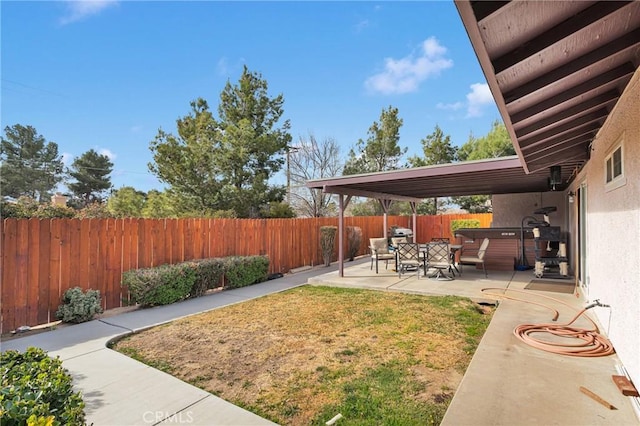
(590, 342)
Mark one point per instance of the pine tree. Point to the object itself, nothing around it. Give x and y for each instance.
(91, 173)
(30, 165)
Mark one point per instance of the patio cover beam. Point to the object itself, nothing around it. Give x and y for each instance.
(368, 194)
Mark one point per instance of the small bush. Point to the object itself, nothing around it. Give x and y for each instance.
(161, 285)
(463, 223)
(79, 307)
(242, 271)
(36, 389)
(327, 241)
(354, 239)
(94, 211)
(209, 273)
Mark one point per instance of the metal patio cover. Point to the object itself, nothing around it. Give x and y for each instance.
(556, 70)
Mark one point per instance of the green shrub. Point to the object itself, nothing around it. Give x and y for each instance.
(161, 285)
(79, 307)
(49, 211)
(327, 241)
(209, 273)
(354, 239)
(242, 271)
(8, 210)
(463, 223)
(94, 211)
(36, 389)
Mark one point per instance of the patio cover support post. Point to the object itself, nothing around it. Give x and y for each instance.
(414, 220)
(385, 204)
(342, 205)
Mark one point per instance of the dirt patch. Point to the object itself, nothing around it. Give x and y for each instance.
(290, 356)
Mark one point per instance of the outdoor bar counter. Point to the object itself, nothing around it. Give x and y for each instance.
(504, 249)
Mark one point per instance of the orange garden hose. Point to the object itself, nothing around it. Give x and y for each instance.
(590, 342)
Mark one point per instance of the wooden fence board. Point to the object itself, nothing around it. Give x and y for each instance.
(55, 266)
(33, 271)
(117, 263)
(83, 255)
(44, 273)
(9, 282)
(21, 272)
(110, 294)
(66, 261)
(74, 253)
(94, 251)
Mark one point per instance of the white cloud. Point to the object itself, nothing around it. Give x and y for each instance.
(79, 10)
(405, 75)
(108, 153)
(223, 66)
(479, 96)
(136, 129)
(452, 107)
(360, 26)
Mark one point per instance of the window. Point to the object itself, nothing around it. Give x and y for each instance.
(614, 169)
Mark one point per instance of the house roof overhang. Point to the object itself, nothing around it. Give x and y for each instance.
(495, 176)
(556, 70)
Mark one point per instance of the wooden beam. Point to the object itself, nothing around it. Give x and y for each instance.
(553, 35)
(624, 71)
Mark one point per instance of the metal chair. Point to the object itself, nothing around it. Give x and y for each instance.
(477, 259)
(380, 251)
(407, 258)
(439, 258)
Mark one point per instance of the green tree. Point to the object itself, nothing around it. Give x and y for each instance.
(437, 149)
(158, 205)
(30, 166)
(187, 161)
(496, 143)
(226, 163)
(252, 144)
(277, 209)
(91, 173)
(381, 151)
(126, 202)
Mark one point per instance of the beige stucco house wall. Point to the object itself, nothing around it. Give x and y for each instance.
(613, 229)
(510, 209)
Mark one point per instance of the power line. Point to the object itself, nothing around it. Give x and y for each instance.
(34, 88)
(41, 165)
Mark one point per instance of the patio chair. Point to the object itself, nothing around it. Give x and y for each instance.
(397, 240)
(439, 258)
(380, 251)
(440, 240)
(477, 259)
(407, 258)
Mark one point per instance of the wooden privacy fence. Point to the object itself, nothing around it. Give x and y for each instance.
(42, 258)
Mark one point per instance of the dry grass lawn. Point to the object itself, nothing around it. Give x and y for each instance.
(302, 356)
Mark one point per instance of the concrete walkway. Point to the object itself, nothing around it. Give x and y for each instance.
(121, 391)
(507, 382)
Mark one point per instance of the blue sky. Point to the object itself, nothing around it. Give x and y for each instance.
(107, 75)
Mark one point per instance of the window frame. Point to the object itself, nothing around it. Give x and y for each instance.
(611, 179)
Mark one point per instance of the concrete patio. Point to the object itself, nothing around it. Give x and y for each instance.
(509, 382)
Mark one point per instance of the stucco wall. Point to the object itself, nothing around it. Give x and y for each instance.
(509, 209)
(613, 230)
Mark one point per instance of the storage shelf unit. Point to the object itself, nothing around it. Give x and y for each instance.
(551, 253)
